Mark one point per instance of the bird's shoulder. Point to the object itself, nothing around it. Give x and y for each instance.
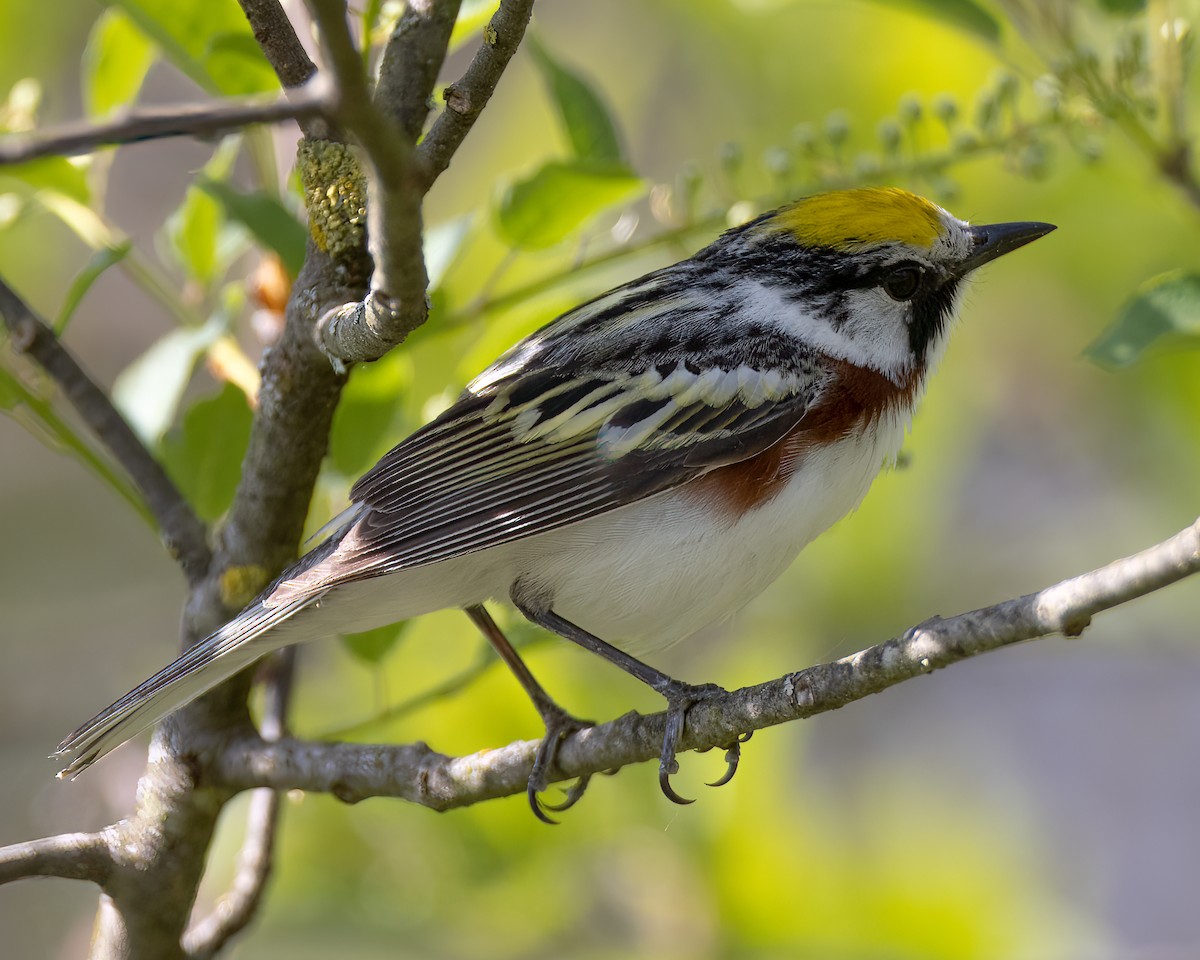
(662, 376)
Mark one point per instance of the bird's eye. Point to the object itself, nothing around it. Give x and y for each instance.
(902, 282)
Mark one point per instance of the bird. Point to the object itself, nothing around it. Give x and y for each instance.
(639, 468)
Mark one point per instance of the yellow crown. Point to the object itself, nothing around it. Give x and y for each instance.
(851, 219)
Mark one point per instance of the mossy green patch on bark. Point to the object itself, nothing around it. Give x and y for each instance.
(335, 193)
(240, 585)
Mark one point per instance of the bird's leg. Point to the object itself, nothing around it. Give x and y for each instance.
(558, 722)
(680, 696)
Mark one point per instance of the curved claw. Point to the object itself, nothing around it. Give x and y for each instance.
(536, 806)
(733, 753)
(664, 783)
(572, 797)
(680, 698)
(559, 724)
(538, 776)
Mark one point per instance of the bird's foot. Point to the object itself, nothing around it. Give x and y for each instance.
(733, 753)
(559, 726)
(681, 697)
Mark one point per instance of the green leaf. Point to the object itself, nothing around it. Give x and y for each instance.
(12, 209)
(20, 106)
(237, 65)
(115, 62)
(194, 229)
(100, 261)
(506, 327)
(1166, 308)
(204, 454)
(965, 15)
(148, 391)
(584, 117)
(10, 395)
(473, 16)
(371, 646)
(272, 224)
(1123, 7)
(364, 425)
(547, 207)
(442, 244)
(38, 416)
(206, 40)
(58, 175)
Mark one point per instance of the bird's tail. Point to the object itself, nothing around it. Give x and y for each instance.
(215, 658)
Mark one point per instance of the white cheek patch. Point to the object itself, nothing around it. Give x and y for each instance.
(879, 326)
(876, 335)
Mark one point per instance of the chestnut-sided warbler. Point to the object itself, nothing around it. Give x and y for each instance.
(642, 466)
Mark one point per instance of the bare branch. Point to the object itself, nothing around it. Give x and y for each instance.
(178, 805)
(135, 126)
(72, 856)
(277, 39)
(182, 531)
(396, 303)
(411, 61)
(415, 772)
(236, 908)
(385, 128)
(466, 97)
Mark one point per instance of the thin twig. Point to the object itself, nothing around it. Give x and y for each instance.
(466, 97)
(411, 60)
(156, 123)
(182, 531)
(396, 303)
(437, 693)
(72, 856)
(385, 128)
(277, 38)
(281, 46)
(235, 909)
(415, 772)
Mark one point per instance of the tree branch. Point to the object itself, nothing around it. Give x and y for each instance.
(182, 531)
(415, 772)
(178, 805)
(466, 97)
(276, 36)
(72, 856)
(236, 908)
(411, 60)
(154, 123)
(277, 39)
(396, 303)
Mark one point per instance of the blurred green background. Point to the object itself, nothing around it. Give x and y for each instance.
(1036, 803)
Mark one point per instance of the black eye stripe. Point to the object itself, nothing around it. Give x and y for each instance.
(845, 273)
(931, 311)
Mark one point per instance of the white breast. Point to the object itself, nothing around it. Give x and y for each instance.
(641, 577)
(657, 571)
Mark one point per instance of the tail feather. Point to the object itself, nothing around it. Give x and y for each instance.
(215, 658)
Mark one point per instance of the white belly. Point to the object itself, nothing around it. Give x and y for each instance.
(657, 571)
(643, 576)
